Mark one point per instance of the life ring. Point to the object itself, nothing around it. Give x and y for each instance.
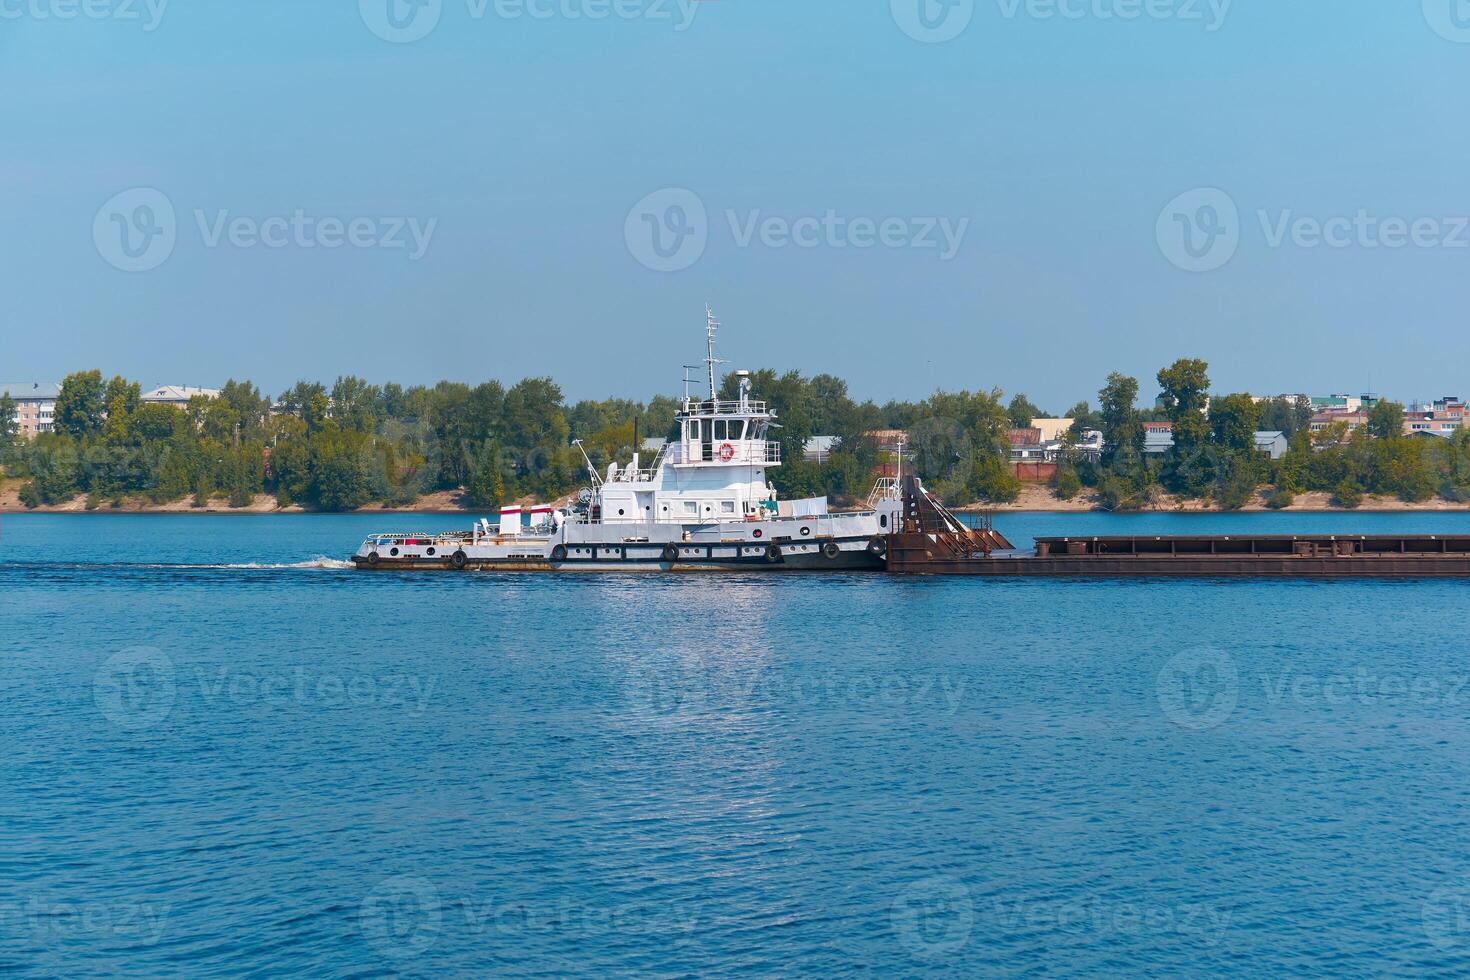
(727, 452)
(372, 557)
(773, 553)
(830, 550)
(459, 559)
(877, 546)
(559, 553)
(671, 553)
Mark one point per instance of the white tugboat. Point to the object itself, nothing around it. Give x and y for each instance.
(705, 503)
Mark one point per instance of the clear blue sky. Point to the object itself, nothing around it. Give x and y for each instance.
(528, 140)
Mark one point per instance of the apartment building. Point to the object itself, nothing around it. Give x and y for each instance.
(35, 405)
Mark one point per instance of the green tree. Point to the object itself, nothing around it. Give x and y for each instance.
(1183, 395)
(1386, 420)
(354, 403)
(1022, 411)
(81, 405)
(1067, 484)
(1120, 424)
(9, 425)
(1286, 415)
(485, 488)
(1234, 420)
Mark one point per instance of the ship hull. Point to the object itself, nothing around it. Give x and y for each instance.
(852, 554)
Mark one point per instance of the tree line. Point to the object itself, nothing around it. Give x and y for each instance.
(358, 443)
(1214, 455)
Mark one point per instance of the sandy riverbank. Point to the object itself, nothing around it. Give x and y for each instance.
(1033, 499)
(1040, 499)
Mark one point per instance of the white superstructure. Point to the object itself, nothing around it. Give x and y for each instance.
(704, 501)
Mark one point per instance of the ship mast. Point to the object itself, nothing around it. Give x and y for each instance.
(711, 325)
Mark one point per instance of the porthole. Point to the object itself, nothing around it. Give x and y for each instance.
(620, 512)
(883, 521)
(393, 552)
(430, 552)
(756, 533)
(806, 531)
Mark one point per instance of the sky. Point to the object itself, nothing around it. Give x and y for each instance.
(911, 194)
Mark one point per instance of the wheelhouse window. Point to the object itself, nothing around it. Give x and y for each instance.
(737, 429)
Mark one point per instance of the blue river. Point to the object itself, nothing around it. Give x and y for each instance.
(226, 753)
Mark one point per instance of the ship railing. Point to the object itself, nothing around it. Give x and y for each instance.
(399, 537)
(691, 520)
(645, 474)
(724, 406)
(885, 489)
(745, 451)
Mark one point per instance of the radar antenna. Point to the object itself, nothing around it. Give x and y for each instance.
(711, 325)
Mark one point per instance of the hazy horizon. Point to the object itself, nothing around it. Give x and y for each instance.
(997, 193)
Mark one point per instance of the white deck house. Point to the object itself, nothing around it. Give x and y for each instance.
(715, 471)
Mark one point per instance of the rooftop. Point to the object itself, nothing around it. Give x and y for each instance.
(177, 393)
(31, 389)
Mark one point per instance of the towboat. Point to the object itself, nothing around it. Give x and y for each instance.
(704, 503)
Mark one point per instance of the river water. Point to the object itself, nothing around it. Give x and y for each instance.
(227, 753)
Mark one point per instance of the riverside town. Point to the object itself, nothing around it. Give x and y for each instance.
(93, 442)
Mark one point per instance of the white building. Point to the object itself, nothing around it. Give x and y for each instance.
(1273, 444)
(176, 395)
(818, 449)
(35, 405)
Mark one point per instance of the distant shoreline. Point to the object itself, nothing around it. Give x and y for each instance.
(1034, 500)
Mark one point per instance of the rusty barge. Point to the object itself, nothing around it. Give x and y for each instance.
(930, 540)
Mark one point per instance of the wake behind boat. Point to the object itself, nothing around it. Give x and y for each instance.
(704, 503)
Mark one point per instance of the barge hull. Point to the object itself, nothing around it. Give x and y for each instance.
(1407, 566)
